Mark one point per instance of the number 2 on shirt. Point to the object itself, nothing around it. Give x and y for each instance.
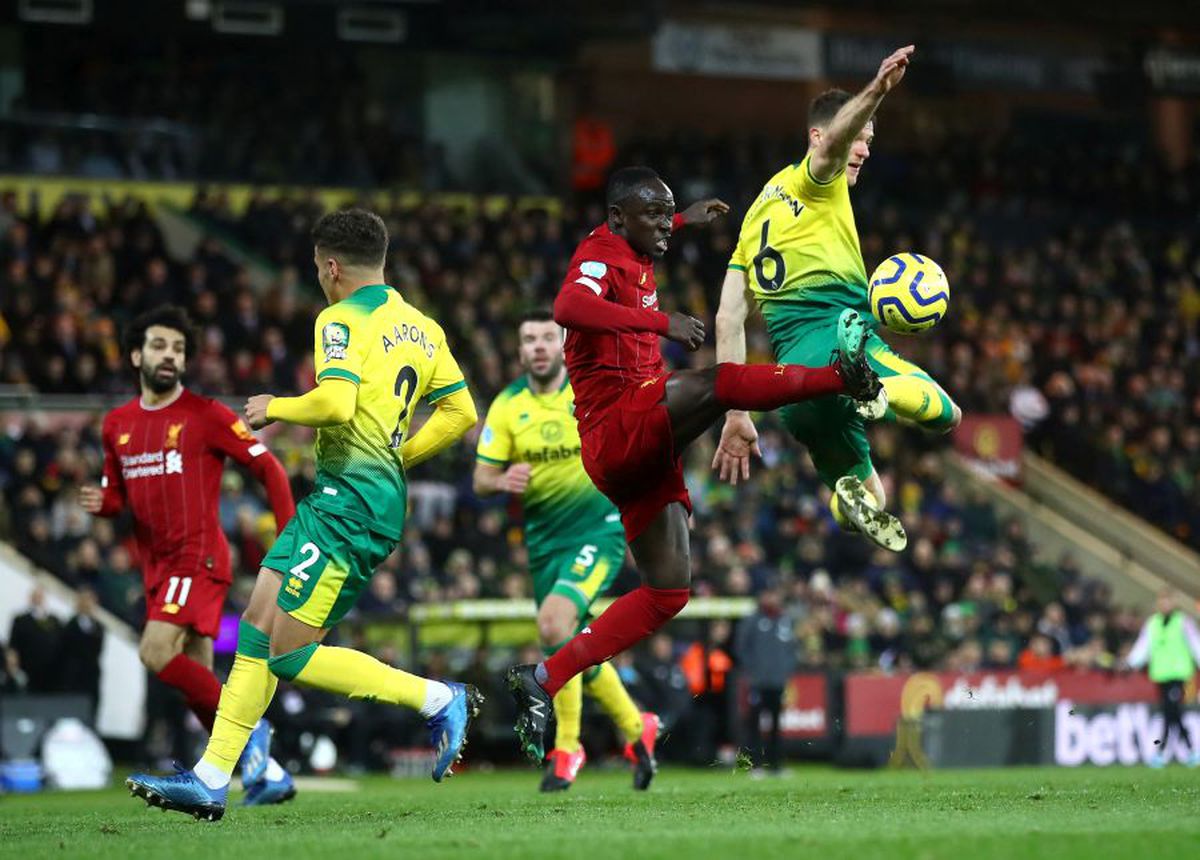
(406, 387)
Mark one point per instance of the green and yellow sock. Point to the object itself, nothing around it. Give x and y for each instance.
(244, 699)
(606, 688)
(920, 400)
(360, 676)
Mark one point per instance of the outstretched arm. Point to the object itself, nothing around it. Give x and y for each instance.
(700, 212)
(731, 318)
(739, 438)
(829, 157)
(331, 402)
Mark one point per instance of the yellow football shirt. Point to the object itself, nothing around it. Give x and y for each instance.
(394, 354)
(799, 244)
(562, 505)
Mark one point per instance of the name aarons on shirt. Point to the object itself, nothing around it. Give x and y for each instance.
(151, 463)
(402, 332)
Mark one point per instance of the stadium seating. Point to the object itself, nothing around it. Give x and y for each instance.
(970, 591)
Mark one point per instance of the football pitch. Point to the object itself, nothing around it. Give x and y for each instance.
(818, 812)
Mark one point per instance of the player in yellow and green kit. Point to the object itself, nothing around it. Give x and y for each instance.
(374, 356)
(530, 447)
(799, 258)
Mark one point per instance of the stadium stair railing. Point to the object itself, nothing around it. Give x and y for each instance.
(1054, 534)
(1133, 537)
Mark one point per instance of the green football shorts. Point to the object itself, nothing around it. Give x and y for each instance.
(581, 572)
(326, 562)
(834, 433)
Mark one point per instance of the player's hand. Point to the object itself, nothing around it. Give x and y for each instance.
(892, 69)
(256, 411)
(739, 439)
(91, 498)
(516, 478)
(686, 330)
(705, 211)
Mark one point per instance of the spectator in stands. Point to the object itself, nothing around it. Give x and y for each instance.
(766, 657)
(79, 649)
(35, 638)
(1039, 656)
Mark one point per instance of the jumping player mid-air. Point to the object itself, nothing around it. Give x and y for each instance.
(164, 452)
(798, 257)
(374, 356)
(635, 418)
(530, 447)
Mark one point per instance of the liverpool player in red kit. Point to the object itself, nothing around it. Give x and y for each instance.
(635, 419)
(164, 452)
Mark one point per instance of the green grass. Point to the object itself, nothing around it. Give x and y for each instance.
(819, 813)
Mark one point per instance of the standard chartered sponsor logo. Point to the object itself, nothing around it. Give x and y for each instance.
(150, 464)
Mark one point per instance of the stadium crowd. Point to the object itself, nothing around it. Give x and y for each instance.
(179, 115)
(1082, 323)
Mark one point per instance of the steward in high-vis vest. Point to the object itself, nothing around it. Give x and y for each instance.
(1170, 643)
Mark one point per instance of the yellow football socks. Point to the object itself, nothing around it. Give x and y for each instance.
(607, 689)
(920, 400)
(568, 712)
(244, 699)
(354, 674)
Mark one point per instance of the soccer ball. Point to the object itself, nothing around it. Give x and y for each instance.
(908, 293)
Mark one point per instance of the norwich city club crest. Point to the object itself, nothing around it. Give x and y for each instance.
(335, 337)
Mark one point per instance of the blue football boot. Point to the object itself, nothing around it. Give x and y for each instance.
(268, 791)
(257, 753)
(183, 792)
(448, 727)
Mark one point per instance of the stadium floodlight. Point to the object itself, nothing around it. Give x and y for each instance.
(248, 18)
(55, 11)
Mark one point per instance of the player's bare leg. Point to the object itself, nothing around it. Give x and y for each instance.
(160, 643)
(199, 648)
(163, 650)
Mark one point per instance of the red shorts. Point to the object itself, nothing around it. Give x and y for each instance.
(629, 453)
(192, 601)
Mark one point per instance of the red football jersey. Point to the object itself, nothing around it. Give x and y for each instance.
(165, 465)
(603, 364)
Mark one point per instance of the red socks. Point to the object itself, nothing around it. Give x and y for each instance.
(199, 686)
(629, 620)
(762, 387)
